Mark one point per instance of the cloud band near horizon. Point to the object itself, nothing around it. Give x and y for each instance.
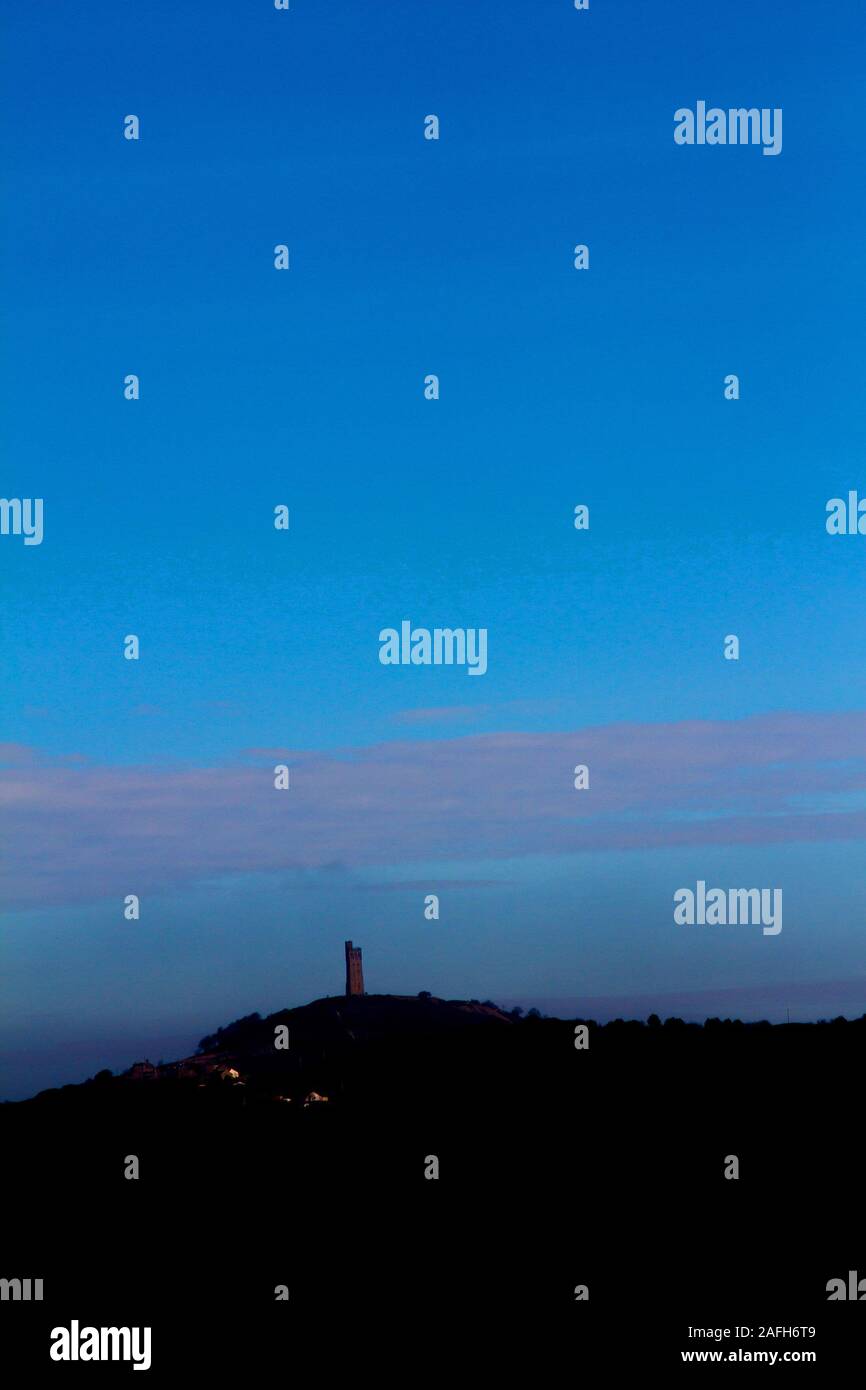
(74, 830)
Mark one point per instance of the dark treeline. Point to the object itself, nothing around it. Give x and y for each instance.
(558, 1165)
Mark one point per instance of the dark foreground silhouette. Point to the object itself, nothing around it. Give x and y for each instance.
(558, 1167)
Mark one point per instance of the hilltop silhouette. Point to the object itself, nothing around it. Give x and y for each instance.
(401, 1053)
(603, 1162)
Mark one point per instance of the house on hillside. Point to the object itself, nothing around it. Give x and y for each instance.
(143, 1071)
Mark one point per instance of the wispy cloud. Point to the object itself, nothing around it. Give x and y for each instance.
(441, 714)
(73, 831)
(15, 753)
(474, 714)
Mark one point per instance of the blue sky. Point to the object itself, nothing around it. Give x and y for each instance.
(305, 388)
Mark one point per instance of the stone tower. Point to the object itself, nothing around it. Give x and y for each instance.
(354, 970)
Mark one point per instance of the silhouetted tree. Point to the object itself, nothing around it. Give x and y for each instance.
(232, 1034)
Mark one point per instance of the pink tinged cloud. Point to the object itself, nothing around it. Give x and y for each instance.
(442, 714)
(72, 831)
